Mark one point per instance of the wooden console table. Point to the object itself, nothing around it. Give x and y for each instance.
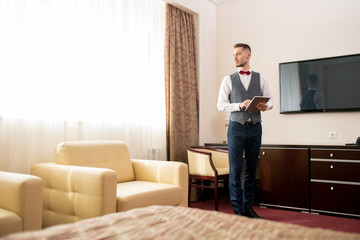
(313, 178)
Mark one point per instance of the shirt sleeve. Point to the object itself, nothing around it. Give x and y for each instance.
(266, 91)
(223, 104)
(319, 100)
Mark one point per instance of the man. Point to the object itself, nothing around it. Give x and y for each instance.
(245, 130)
(313, 99)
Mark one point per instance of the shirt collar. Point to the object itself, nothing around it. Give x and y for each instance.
(239, 69)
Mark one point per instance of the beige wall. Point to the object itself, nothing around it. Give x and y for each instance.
(281, 31)
(278, 31)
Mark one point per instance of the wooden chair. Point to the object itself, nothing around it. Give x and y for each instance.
(207, 163)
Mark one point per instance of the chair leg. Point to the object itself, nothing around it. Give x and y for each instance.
(202, 191)
(226, 185)
(189, 193)
(216, 194)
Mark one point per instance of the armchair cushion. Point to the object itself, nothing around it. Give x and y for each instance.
(136, 194)
(173, 173)
(156, 183)
(20, 202)
(10, 222)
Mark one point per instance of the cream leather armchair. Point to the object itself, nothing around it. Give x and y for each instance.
(93, 178)
(20, 202)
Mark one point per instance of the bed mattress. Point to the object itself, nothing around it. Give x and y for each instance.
(168, 222)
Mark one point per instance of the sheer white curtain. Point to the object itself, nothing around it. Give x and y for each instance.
(290, 84)
(80, 70)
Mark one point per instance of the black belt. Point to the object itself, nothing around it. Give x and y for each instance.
(250, 123)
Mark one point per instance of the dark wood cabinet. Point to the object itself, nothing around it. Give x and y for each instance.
(317, 179)
(313, 178)
(284, 177)
(335, 198)
(335, 181)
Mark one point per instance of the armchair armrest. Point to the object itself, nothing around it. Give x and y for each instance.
(175, 173)
(21, 194)
(72, 193)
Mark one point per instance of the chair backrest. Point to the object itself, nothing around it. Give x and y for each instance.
(200, 163)
(219, 156)
(100, 153)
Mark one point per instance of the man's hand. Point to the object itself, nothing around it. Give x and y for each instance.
(262, 106)
(245, 103)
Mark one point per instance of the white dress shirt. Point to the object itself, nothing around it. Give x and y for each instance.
(224, 104)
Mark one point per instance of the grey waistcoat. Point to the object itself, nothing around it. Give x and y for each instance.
(239, 94)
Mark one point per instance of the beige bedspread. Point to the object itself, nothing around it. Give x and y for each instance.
(166, 222)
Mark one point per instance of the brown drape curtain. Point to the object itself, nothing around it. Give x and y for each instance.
(182, 97)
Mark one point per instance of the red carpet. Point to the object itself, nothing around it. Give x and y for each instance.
(294, 217)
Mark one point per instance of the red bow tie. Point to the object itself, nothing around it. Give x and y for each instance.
(247, 72)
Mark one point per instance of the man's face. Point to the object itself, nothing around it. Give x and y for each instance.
(241, 57)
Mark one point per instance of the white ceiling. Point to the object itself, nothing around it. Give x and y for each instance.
(219, 1)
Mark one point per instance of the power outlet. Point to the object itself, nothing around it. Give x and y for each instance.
(332, 134)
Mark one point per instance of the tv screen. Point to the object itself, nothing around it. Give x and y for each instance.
(320, 85)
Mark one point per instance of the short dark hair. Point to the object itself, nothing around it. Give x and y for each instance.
(313, 79)
(243, 45)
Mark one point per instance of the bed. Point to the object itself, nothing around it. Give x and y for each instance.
(168, 222)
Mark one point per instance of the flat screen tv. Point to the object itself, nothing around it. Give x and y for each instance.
(320, 85)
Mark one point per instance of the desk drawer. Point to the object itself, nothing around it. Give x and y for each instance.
(333, 197)
(335, 154)
(335, 170)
